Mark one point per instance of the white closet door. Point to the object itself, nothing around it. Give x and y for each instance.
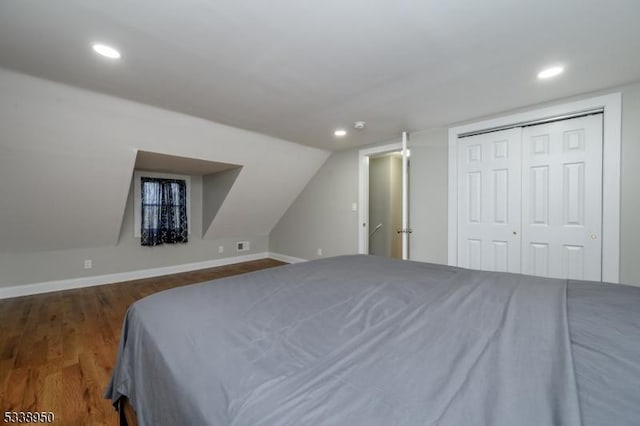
(489, 213)
(562, 199)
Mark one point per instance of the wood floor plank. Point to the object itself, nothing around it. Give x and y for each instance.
(75, 400)
(15, 388)
(52, 391)
(57, 350)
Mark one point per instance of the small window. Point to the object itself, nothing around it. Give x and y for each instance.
(164, 211)
(163, 204)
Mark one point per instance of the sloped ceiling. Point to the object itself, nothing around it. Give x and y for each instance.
(297, 69)
(67, 157)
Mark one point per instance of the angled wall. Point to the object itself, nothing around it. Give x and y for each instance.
(322, 216)
(215, 188)
(66, 161)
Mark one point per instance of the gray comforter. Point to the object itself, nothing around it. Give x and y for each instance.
(362, 340)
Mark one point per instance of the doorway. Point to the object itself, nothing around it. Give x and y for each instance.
(385, 205)
(388, 230)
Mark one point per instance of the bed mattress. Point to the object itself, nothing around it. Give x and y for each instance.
(365, 340)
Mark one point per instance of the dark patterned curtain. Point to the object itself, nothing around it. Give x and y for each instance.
(164, 211)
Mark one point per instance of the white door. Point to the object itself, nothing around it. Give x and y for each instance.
(562, 199)
(406, 231)
(489, 212)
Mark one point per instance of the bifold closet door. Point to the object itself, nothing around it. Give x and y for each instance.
(489, 201)
(562, 199)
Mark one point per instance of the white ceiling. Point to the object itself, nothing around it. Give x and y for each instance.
(296, 70)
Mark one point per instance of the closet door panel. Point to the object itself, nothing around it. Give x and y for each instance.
(562, 198)
(489, 201)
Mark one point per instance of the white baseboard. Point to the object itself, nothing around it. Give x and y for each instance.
(286, 258)
(49, 286)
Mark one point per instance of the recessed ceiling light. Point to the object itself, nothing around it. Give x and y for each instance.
(550, 72)
(108, 51)
(340, 133)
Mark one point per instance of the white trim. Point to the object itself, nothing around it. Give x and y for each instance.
(363, 191)
(452, 204)
(49, 286)
(405, 197)
(286, 258)
(612, 106)
(137, 197)
(73, 283)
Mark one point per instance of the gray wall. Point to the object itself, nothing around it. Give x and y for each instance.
(321, 216)
(215, 188)
(428, 194)
(630, 186)
(127, 255)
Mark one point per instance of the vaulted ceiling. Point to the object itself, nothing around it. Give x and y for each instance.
(297, 70)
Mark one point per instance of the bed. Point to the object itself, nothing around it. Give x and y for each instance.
(365, 340)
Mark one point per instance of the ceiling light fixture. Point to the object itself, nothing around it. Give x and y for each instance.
(107, 51)
(550, 72)
(340, 133)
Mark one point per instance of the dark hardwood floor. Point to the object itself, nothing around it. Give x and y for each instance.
(57, 349)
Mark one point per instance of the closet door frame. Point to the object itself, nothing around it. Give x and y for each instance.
(611, 106)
